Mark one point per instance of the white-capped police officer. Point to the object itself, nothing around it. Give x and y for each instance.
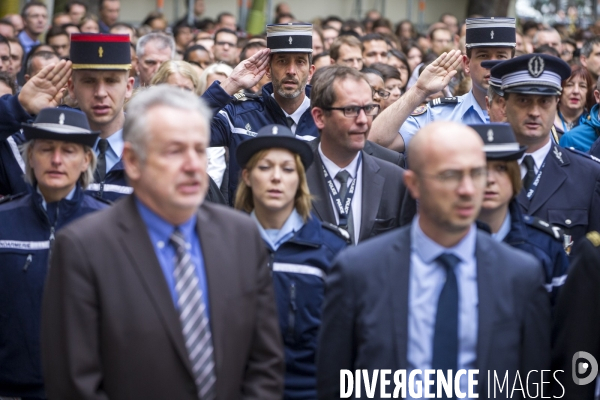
(486, 39)
(560, 186)
(59, 163)
(284, 101)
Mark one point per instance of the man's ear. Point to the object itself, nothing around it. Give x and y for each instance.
(467, 65)
(319, 117)
(597, 96)
(131, 162)
(411, 182)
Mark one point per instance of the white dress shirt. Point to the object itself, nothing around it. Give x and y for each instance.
(356, 205)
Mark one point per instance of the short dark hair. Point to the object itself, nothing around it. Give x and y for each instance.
(351, 41)
(101, 3)
(72, 3)
(371, 37)
(32, 3)
(224, 14)
(546, 49)
(55, 31)
(331, 18)
(320, 55)
(387, 71)
(5, 21)
(4, 40)
(588, 46)
(46, 55)
(225, 30)
(8, 81)
(181, 26)
(250, 46)
(322, 94)
(191, 49)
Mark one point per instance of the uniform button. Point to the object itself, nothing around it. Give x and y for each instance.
(568, 222)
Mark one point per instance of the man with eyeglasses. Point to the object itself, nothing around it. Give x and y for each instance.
(225, 48)
(347, 182)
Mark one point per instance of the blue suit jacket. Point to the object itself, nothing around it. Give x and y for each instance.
(365, 315)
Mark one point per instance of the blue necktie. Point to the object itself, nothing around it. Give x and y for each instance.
(445, 337)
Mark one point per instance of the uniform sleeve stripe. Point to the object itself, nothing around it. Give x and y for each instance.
(240, 131)
(298, 269)
(22, 245)
(15, 150)
(556, 282)
(110, 188)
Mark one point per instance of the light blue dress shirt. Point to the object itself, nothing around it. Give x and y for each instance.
(27, 42)
(114, 151)
(426, 279)
(466, 111)
(276, 237)
(160, 231)
(504, 228)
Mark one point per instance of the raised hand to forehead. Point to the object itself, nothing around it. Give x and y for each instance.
(438, 74)
(43, 90)
(248, 72)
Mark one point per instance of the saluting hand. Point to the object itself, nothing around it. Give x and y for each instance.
(43, 90)
(437, 75)
(247, 73)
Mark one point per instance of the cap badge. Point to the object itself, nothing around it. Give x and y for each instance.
(61, 119)
(290, 40)
(248, 127)
(492, 35)
(536, 66)
(490, 135)
(275, 130)
(100, 51)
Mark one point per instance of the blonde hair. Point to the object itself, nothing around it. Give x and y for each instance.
(172, 67)
(219, 68)
(244, 200)
(85, 178)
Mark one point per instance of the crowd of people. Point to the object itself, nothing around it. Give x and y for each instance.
(192, 212)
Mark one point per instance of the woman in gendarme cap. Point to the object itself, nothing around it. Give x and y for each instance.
(501, 212)
(273, 189)
(59, 163)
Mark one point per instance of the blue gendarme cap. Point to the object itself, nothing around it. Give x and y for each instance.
(67, 125)
(289, 38)
(539, 74)
(499, 142)
(490, 32)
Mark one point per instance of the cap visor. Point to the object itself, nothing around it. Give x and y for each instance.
(88, 139)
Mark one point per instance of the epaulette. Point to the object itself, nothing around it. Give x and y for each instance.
(245, 96)
(544, 226)
(443, 100)
(581, 153)
(337, 230)
(12, 197)
(593, 237)
(419, 110)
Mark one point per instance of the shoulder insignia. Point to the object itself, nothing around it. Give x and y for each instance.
(240, 96)
(583, 154)
(443, 100)
(12, 197)
(419, 110)
(594, 237)
(554, 231)
(337, 230)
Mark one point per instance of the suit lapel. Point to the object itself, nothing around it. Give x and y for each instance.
(318, 188)
(216, 276)
(139, 250)
(487, 301)
(372, 192)
(552, 178)
(399, 266)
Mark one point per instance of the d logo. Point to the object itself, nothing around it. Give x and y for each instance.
(584, 368)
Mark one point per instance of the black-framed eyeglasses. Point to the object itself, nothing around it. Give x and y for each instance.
(370, 110)
(382, 94)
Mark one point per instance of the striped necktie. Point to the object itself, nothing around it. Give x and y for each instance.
(194, 321)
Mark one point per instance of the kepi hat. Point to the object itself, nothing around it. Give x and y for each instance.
(499, 141)
(490, 32)
(289, 38)
(65, 124)
(100, 51)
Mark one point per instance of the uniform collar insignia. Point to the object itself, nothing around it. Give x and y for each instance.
(558, 155)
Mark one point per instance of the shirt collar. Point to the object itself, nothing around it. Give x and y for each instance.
(26, 40)
(296, 115)
(504, 228)
(428, 250)
(275, 237)
(539, 155)
(67, 197)
(161, 228)
(333, 169)
(470, 101)
(115, 143)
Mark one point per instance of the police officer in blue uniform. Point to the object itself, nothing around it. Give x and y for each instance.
(502, 214)
(59, 163)
(560, 186)
(486, 39)
(284, 101)
(274, 190)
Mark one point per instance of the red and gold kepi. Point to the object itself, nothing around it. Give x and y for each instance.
(100, 51)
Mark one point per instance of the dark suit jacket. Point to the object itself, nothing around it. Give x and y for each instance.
(575, 324)
(109, 326)
(568, 194)
(365, 315)
(378, 151)
(384, 196)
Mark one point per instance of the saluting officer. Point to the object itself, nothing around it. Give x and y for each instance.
(560, 186)
(100, 83)
(285, 101)
(59, 163)
(486, 39)
(501, 212)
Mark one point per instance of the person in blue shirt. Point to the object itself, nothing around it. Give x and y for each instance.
(583, 136)
(501, 212)
(59, 163)
(274, 190)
